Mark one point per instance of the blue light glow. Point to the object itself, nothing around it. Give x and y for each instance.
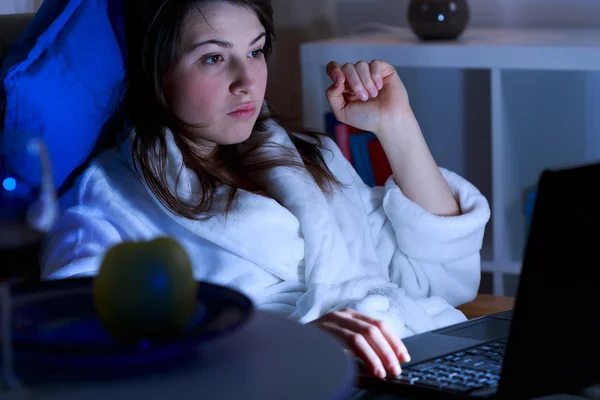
(441, 17)
(144, 345)
(9, 184)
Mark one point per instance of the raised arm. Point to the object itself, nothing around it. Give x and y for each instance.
(372, 97)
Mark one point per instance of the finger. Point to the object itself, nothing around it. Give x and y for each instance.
(334, 70)
(364, 73)
(335, 93)
(335, 96)
(393, 339)
(376, 339)
(350, 96)
(376, 69)
(359, 346)
(380, 70)
(353, 81)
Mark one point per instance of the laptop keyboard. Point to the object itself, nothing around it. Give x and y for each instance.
(465, 371)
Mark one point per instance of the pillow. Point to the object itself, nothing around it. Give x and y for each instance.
(63, 80)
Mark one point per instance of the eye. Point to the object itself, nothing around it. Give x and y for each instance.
(212, 60)
(257, 53)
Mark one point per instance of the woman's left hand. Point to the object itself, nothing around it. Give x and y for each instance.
(367, 96)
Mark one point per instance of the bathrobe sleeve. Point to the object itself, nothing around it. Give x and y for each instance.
(427, 255)
(92, 220)
(77, 244)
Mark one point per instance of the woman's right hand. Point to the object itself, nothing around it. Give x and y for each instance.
(367, 338)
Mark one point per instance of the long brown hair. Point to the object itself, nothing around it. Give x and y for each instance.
(153, 34)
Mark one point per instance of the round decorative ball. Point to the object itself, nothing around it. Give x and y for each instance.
(438, 19)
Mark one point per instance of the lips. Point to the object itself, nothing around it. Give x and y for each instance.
(243, 111)
(244, 108)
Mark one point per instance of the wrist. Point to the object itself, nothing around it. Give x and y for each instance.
(404, 127)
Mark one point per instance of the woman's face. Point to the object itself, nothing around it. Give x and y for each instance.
(219, 82)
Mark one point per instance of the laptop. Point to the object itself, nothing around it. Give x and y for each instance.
(550, 342)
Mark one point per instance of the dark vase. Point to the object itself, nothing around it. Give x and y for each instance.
(438, 19)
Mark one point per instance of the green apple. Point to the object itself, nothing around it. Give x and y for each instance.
(145, 290)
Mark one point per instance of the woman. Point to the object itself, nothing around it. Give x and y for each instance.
(281, 216)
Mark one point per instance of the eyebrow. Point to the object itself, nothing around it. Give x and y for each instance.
(220, 43)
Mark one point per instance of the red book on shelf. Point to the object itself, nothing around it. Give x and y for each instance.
(342, 138)
(379, 162)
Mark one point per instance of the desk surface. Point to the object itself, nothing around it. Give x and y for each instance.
(270, 358)
(486, 304)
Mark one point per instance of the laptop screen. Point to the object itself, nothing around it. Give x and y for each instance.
(554, 344)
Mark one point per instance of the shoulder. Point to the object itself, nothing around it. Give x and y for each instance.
(101, 179)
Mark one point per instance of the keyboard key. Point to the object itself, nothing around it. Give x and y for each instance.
(492, 376)
(435, 375)
(471, 360)
(474, 352)
(483, 366)
(489, 354)
(459, 379)
(423, 367)
(467, 372)
(415, 374)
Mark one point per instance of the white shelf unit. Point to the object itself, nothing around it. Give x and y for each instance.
(19, 6)
(496, 106)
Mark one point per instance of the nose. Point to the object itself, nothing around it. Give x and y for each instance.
(244, 81)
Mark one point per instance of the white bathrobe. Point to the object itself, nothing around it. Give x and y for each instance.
(300, 252)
